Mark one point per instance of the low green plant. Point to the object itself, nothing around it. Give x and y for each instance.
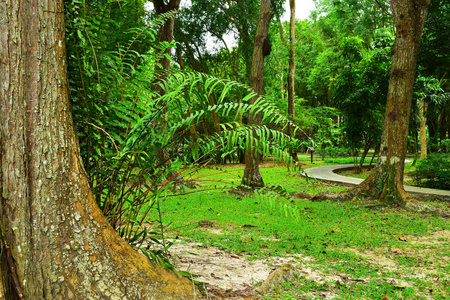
(433, 171)
(346, 160)
(444, 146)
(334, 152)
(332, 236)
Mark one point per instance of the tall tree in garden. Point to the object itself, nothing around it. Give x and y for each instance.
(427, 90)
(252, 177)
(55, 243)
(434, 60)
(291, 76)
(386, 180)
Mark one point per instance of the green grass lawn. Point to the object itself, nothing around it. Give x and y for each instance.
(342, 238)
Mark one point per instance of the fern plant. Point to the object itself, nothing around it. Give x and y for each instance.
(118, 117)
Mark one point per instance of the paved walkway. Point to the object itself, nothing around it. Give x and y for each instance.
(327, 174)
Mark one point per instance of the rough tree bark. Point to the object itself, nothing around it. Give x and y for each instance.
(54, 241)
(252, 177)
(386, 180)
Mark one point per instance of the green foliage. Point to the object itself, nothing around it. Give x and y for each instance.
(328, 133)
(330, 238)
(134, 141)
(335, 152)
(205, 20)
(433, 172)
(346, 160)
(361, 92)
(444, 146)
(434, 51)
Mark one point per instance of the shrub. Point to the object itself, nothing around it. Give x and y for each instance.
(444, 146)
(433, 172)
(334, 152)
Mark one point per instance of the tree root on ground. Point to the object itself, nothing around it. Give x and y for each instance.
(419, 206)
(410, 202)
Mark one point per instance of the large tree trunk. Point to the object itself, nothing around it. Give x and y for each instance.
(386, 180)
(54, 241)
(409, 18)
(252, 177)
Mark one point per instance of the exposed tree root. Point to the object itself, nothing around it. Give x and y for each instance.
(420, 206)
(370, 189)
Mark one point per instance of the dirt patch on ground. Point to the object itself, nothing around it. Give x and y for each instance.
(235, 276)
(425, 252)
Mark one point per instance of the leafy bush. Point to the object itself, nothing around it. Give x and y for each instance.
(334, 152)
(433, 172)
(348, 160)
(444, 146)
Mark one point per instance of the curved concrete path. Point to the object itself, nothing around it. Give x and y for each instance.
(327, 174)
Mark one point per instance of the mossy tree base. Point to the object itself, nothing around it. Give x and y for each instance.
(370, 189)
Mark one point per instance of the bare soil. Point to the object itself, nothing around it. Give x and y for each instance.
(236, 276)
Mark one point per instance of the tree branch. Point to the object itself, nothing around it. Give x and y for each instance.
(383, 8)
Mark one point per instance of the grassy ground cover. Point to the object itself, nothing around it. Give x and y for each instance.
(376, 251)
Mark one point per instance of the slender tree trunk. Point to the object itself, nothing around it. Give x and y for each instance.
(282, 87)
(252, 177)
(375, 152)
(165, 35)
(367, 146)
(54, 241)
(291, 77)
(423, 132)
(166, 31)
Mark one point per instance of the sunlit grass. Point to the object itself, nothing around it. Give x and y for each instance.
(272, 224)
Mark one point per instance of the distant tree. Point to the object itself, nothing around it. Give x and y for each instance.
(360, 93)
(291, 77)
(426, 90)
(434, 60)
